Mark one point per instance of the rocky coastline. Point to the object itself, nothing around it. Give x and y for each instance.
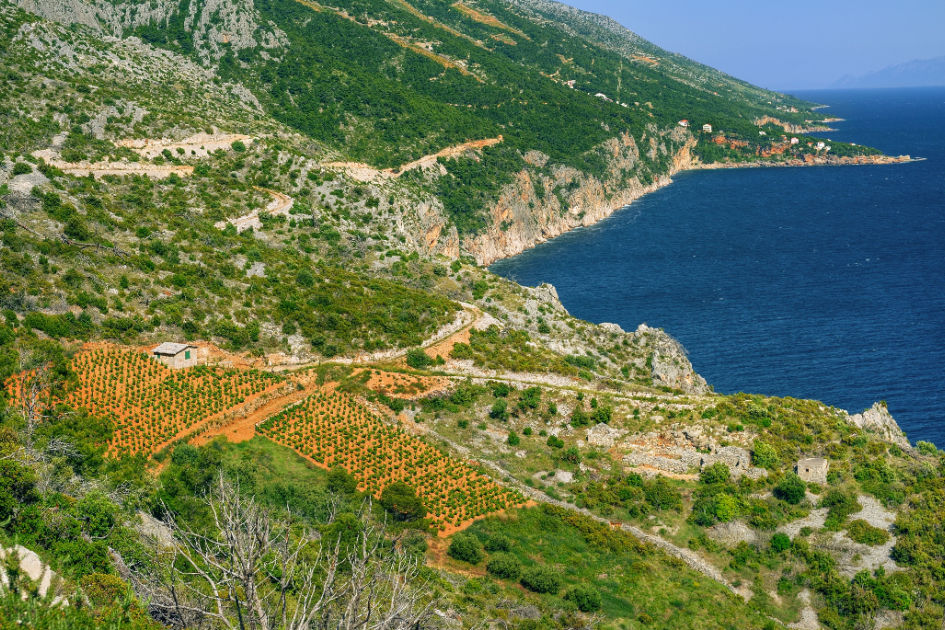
(810, 160)
(517, 226)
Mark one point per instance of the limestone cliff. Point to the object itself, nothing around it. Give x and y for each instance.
(215, 26)
(878, 420)
(669, 364)
(549, 200)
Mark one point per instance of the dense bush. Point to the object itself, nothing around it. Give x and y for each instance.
(864, 533)
(400, 499)
(763, 455)
(716, 473)
(466, 548)
(541, 579)
(498, 542)
(841, 504)
(341, 481)
(505, 566)
(662, 494)
(585, 597)
(499, 410)
(418, 359)
(780, 542)
(790, 489)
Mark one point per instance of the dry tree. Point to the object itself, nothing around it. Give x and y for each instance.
(249, 570)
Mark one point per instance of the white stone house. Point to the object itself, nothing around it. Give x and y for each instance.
(707, 128)
(813, 469)
(176, 355)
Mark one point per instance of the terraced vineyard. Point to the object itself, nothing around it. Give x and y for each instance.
(150, 403)
(332, 429)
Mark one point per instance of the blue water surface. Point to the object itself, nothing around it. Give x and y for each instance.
(824, 283)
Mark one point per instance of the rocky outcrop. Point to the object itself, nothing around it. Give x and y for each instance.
(732, 533)
(43, 578)
(878, 420)
(542, 204)
(215, 25)
(680, 450)
(810, 159)
(668, 362)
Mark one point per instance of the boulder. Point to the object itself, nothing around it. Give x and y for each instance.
(46, 580)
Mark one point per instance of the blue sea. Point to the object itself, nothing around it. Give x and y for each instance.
(824, 283)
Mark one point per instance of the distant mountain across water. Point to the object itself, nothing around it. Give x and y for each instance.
(915, 73)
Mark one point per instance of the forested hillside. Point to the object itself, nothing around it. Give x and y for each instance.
(386, 82)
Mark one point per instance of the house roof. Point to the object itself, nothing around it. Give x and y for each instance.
(169, 348)
(812, 461)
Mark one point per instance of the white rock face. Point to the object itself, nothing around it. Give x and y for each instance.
(215, 25)
(731, 533)
(878, 420)
(156, 530)
(603, 435)
(33, 567)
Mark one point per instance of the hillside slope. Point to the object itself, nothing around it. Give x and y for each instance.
(303, 192)
(588, 111)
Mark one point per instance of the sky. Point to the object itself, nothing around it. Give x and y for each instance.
(786, 45)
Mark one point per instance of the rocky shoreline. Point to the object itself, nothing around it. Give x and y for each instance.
(833, 160)
(497, 244)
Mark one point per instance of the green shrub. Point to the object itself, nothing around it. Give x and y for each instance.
(400, 499)
(585, 597)
(499, 410)
(418, 359)
(926, 448)
(764, 456)
(716, 473)
(461, 351)
(541, 579)
(726, 507)
(865, 534)
(841, 505)
(661, 494)
(341, 481)
(103, 589)
(571, 455)
(780, 542)
(529, 398)
(238, 146)
(498, 542)
(555, 442)
(505, 566)
(513, 438)
(415, 542)
(465, 548)
(21, 168)
(790, 489)
(501, 390)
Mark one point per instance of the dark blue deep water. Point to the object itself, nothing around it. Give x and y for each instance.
(824, 283)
